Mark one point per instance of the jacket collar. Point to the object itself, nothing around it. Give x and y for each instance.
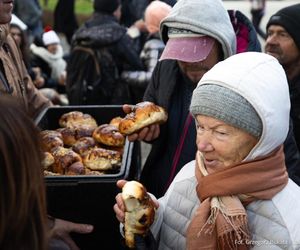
(4, 29)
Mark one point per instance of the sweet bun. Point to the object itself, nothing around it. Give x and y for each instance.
(47, 161)
(83, 145)
(76, 168)
(71, 135)
(101, 159)
(50, 173)
(109, 135)
(144, 114)
(77, 119)
(68, 136)
(63, 159)
(139, 211)
(51, 139)
(116, 121)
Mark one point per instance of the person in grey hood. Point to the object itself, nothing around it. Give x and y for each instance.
(197, 34)
(236, 194)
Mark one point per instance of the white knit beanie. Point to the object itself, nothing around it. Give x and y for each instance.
(50, 37)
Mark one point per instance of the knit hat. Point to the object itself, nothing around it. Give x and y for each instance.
(187, 46)
(50, 37)
(226, 105)
(107, 6)
(154, 13)
(289, 19)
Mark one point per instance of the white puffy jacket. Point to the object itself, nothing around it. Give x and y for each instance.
(275, 223)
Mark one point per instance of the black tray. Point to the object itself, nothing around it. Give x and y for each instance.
(90, 199)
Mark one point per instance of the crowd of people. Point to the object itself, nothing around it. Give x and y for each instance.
(224, 168)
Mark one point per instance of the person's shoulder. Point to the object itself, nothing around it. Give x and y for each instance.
(187, 171)
(280, 214)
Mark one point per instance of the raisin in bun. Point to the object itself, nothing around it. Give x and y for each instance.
(144, 114)
(109, 135)
(101, 159)
(77, 119)
(51, 139)
(139, 211)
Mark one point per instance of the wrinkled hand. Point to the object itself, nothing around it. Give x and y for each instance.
(62, 229)
(149, 133)
(119, 207)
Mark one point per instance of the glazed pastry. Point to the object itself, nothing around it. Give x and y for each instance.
(143, 115)
(139, 211)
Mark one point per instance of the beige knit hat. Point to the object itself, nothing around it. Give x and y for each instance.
(154, 13)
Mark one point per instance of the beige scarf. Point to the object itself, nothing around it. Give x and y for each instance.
(221, 219)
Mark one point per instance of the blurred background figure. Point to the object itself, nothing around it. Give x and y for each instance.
(49, 58)
(21, 38)
(101, 50)
(23, 217)
(152, 49)
(64, 18)
(30, 12)
(258, 11)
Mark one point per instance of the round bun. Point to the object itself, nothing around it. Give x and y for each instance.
(63, 158)
(71, 135)
(51, 139)
(102, 159)
(144, 114)
(77, 119)
(109, 135)
(83, 145)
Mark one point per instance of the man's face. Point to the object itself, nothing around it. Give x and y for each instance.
(195, 71)
(6, 7)
(282, 46)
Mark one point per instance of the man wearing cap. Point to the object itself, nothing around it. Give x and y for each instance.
(283, 42)
(197, 34)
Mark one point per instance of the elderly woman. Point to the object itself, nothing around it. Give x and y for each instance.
(236, 194)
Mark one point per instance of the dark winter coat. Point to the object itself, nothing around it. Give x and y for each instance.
(103, 30)
(160, 90)
(14, 78)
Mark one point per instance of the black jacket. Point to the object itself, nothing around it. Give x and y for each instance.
(103, 30)
(166, 89)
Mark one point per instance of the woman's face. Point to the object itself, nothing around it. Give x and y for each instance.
(222, 145)
(17, 35)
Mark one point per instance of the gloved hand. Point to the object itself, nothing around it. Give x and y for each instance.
(145, 243)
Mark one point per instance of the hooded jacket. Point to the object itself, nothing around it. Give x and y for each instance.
(273, 223)
(166, 81)
(15, 79)
(200, 17)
